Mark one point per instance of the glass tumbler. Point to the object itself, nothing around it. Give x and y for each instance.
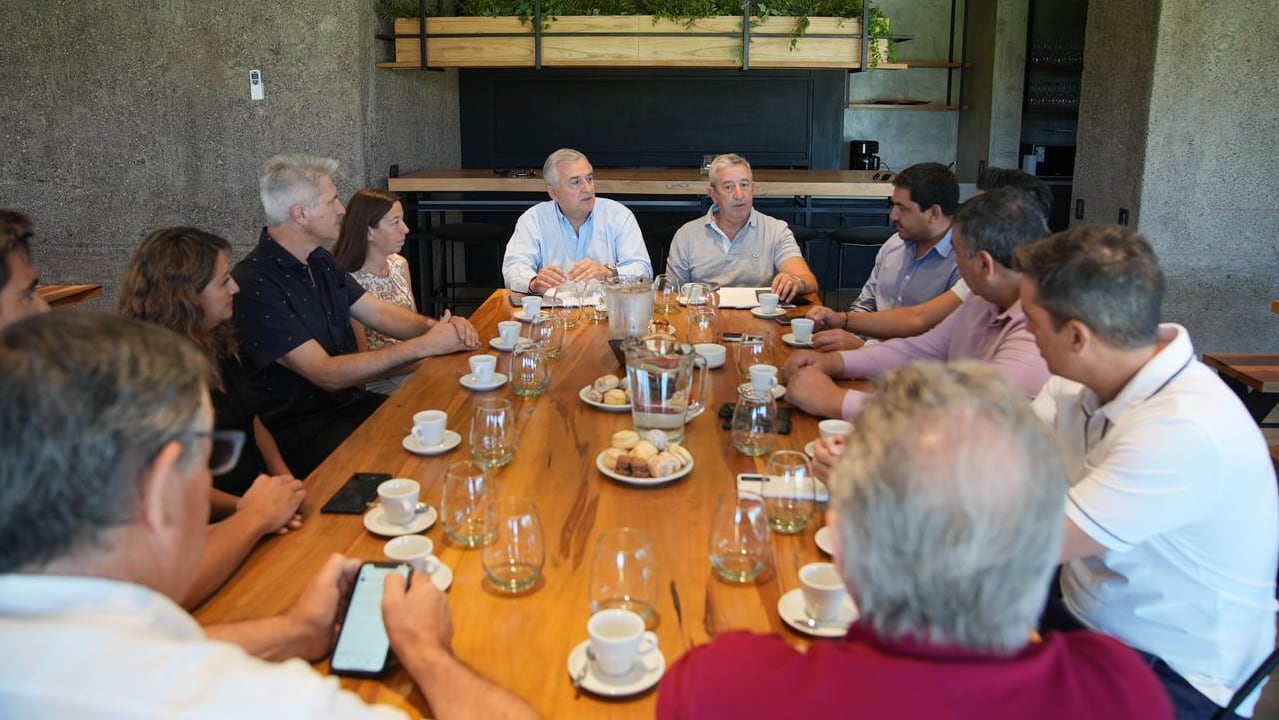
(493, 433)
(753, 350)
(665, 295)
(468, 504)
(739, 540)
(754, 423)
(530, 370)
(624, 573)
(701, 324)
(790, 492)
(545, 332)
(565, 304)
(513, 561)
(596, 301)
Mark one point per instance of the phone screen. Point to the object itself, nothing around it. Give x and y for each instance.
(363, 648)
(354, 496)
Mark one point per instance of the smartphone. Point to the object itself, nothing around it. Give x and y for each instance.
(783, 319)
(363, 649)
(356, 493)
(732, 337)
(751, 482)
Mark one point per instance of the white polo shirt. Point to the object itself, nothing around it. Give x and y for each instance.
(1174, 478)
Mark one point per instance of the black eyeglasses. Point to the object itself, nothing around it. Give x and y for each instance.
(225, 451)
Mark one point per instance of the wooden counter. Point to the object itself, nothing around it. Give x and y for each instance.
(64, 295)
(523, 642)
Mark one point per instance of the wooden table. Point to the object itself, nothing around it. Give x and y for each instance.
(523, 642)
(1254, 377)
(64, 295)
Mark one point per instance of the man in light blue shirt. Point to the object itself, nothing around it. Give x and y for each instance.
(917, 263)
(574, 236)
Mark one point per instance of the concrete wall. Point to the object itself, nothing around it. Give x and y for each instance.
(1178, 124)
(126, 116)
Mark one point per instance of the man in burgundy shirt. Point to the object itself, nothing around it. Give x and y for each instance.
(947, 507)
(989, 326)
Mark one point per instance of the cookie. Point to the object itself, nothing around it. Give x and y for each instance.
(616, 396)
(663, 464)
(657, 437)
(605, 383)
(643, 450)
(679, 451)
(610, 457)
(625, 439)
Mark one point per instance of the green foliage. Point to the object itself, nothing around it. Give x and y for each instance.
(388, 10)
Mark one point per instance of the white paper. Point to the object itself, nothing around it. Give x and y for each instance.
(740, 297)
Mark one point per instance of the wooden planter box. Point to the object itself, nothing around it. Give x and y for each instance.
(630, 41)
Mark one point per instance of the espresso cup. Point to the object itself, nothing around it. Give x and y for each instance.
(532, 305)
(834, 428)
(768, 303)
(823, 590)
(482, 367)
(508, 331)
(802, 328)
(428, 426)
(619, 640)
(763, 377)
(416, 551)
(399, 500)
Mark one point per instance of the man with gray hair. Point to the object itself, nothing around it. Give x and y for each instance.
(736, 245)
(106, 440)
(19, 297)
(574, 236)
(1172, 519)
(293, 318)
(947, 514)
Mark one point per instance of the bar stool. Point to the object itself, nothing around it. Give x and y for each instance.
(857, 248)
(483, 246)
(658, 242)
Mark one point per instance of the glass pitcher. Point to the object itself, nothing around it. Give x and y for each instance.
(664, 395)
(630, 306)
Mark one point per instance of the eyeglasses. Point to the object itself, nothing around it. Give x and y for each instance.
(225, 450)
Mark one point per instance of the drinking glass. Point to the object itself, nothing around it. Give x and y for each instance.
(665, 295)
(624, 573)
(565, 304)
(701, 324)
(468, 504)
(493, 433)
(790, 493)
(753, 350)
(754, 424)
(596, 301)
(739, 541)
(530, 370)
(543, 330)
(513, 561)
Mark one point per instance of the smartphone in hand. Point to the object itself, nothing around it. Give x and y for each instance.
(363, 649)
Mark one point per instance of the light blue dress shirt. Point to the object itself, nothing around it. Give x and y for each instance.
(544, 237)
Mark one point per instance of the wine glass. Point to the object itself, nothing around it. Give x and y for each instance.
(514, 560)
(624, 573)
(530, 370)
(739, 538)
(467, 504)
(753, 350)
(493, 433)
(754, 423)
(665, 294)
(545, 332)
(790, 493)
(701, 324)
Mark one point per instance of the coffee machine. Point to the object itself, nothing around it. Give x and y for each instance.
(863, 155)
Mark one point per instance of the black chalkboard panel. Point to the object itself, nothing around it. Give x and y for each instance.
(652, 118)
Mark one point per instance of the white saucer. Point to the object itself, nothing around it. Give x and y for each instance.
(417, 447)
(789, 339)
(643, 676)
(375, 522)
(759, 312)
(791, 608)
(523, 316)
(811, 449)
(599, 465)
(497, 344)
(777, 390)
(470, 383)
(602, 406)
(824, 541)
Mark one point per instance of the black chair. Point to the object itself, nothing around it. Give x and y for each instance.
(478, 267)
(856, 249)
(658, 242)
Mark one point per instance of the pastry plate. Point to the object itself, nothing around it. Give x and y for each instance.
(376, 523)
(417, 447)
(644, 675)
(602, 406)
(791, 608)
(599, 463)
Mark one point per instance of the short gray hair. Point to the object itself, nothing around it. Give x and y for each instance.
(726, 160)
(950, 495)
(89, 399)
(551, 168)
(289, 180)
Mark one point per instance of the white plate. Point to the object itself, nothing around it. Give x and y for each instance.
(470, 382)
(375, 522)
(599, 463)
(417, 447)
(791, 608)
(759, 312)
(811, 449)
(497, 344)
(643, 676)
(789, 339)
(602, 406)
(824, 541)
(778, 390)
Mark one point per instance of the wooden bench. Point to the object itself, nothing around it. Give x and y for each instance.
(1253, 376)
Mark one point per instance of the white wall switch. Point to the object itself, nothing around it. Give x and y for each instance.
(256, 90)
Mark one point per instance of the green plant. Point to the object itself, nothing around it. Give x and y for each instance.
(388, 10)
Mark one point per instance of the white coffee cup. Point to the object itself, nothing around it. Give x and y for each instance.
(823, 590)
(834, 428)
(532, 306)
(802, 328)
(416, 551)
(763, 377)
(768, 303)
(482, 367)
(508, 331)
(428, 426)
(618, 639)
(399, 500)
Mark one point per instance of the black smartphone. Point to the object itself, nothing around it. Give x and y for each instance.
(783, 319)
(732, 337)
(363, 649)
(354, 496)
